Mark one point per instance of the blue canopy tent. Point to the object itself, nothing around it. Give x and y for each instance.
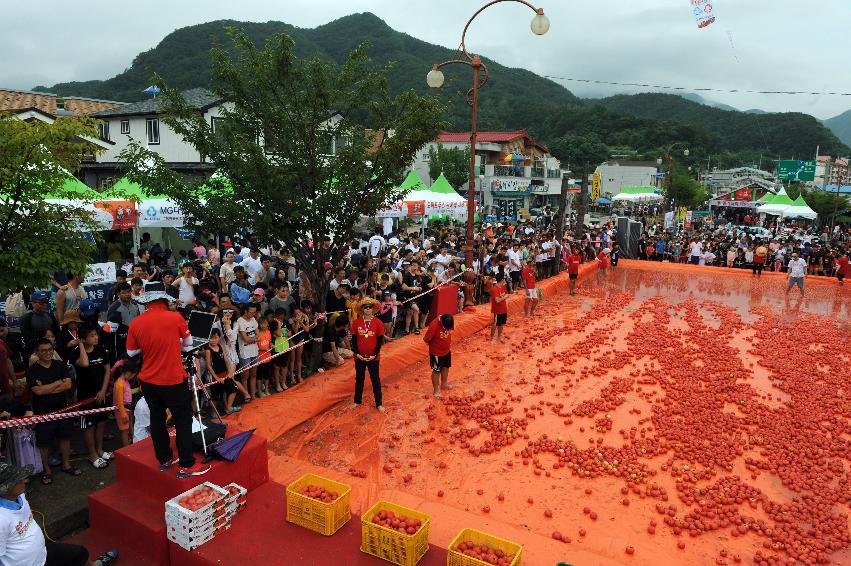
(603, 200)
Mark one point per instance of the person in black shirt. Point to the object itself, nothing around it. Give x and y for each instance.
(333, 350)
(411, 287)
(92, 363)
(49, 381)
(115, 338)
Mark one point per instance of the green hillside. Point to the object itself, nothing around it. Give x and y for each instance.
(841, 126)
(512, 99)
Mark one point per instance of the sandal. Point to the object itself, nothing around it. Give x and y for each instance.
(72, 471)
(46, 479)
(416, 330)
(247, 400)
(100, 463)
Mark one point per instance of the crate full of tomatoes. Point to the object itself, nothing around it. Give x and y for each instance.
(394, 533)
(197, 515)
(318, 504)
(475, 548)
(237, 498)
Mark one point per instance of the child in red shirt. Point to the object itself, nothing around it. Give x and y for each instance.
(499, 308)
(574, 260)
(603, 260)
(531, 300)
(842, 268)
(264, 346)
(439, 340)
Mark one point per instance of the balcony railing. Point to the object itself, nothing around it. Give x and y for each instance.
(538, 171)
(509, 170)
(553, 173)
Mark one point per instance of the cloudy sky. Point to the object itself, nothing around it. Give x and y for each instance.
(777, 45)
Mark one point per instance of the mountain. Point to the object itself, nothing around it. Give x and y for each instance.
(512, 99)
(711, 103)
(789, 134)
(841, 126)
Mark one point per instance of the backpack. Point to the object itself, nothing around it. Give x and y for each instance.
(15, 307)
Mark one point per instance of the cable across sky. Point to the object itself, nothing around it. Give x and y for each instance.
(698, 89)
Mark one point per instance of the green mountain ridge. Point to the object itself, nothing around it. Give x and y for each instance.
(841, 126)
(513, 98)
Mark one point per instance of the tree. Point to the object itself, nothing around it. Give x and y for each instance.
(574, 149)
(453, 162)
(684, 190)
(38, 237)
(305, 149)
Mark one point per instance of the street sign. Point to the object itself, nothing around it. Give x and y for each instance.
(792, 170)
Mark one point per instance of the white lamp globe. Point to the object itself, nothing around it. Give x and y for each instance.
(658, 161)
(686, 152)
(540, 24)
(434, 78)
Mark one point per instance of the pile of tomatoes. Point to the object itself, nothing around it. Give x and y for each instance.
(199, 498)
(389, 520)
(485, 553)
(320, 494)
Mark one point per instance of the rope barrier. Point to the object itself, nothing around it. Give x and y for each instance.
(36, 419)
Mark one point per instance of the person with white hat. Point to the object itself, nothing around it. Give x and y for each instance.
(158, 334)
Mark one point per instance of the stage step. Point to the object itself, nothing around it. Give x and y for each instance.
(97, 543)
(129, 520)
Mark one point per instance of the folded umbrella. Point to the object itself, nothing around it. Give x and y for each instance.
(230, 448)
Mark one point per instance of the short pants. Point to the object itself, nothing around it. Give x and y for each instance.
(244, 362)
(799, 281)
(440, 362)
(532, 293)
(573, 276)
(500, 319)
(62, 429)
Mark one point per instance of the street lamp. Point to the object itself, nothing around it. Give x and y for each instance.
(540, 25)
(670, 157)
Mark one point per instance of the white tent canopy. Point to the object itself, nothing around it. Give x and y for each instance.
(637, 194)
(800, 209)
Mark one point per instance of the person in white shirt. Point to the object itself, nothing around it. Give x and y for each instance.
(695, 252)
(442, 260)
(376, 243)
(22, 542)
(414, 245)
(252, 264)
(708, 258)
(514, 267)
(797, 271)
(141, 421)
(186, 285)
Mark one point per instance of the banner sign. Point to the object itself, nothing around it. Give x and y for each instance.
(791, 170)
(510, 185)
(595, 186)
(123, 213)
(416, 207)
(395, 210)
(160, 213)
(703, 12)
(733, 203)
(100, 273)
(687, 223)
(97, 292)
(669, 219)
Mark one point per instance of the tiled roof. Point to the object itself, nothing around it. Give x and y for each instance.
(88, 106)
(484, 137)
(21, 100)
(199, 98)
(624, 163)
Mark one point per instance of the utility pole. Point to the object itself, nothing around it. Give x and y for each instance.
(562, 206)
(580, 207)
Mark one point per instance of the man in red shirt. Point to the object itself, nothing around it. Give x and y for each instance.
(574, 260)
(842, 267)
(531, 300)
(439, 340)
(367, 338)
(158, 334)
(499, 308)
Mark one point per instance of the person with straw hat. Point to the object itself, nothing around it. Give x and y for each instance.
(22, 541)
(367, 338)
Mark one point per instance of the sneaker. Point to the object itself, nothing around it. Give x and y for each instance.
(381, 409)
(233, 410)
(107, 558)
(197, 469)
(354, 405)
(166, 465)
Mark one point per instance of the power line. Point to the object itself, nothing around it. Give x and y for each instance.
(689, 89)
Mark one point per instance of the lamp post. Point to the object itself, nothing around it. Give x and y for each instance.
(669, 156)
(540, 24)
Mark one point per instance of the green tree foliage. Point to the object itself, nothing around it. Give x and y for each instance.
(453, 162)
(573, 150)
(683, 189)
(37, 237)
(273, 147)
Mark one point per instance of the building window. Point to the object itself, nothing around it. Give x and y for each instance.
(426, 157)
(103, 130)
(125, 126)
(152, 125)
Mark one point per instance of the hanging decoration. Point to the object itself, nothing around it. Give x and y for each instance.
(704, 13)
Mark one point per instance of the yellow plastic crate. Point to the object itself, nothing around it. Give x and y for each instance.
(390, 545)
(455, 558)
(323, 518)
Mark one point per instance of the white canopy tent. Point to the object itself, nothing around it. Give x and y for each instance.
(800, 209)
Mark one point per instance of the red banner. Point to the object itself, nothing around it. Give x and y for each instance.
(416, 207)
(123, 213)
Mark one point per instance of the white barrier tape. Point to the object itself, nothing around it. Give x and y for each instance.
(36, 419)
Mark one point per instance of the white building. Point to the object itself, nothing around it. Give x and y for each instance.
(615, 175)
(140, 122)
(515, 172)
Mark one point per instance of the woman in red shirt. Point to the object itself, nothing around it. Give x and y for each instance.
(499, 308)
(531, 300)
(439, 340)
